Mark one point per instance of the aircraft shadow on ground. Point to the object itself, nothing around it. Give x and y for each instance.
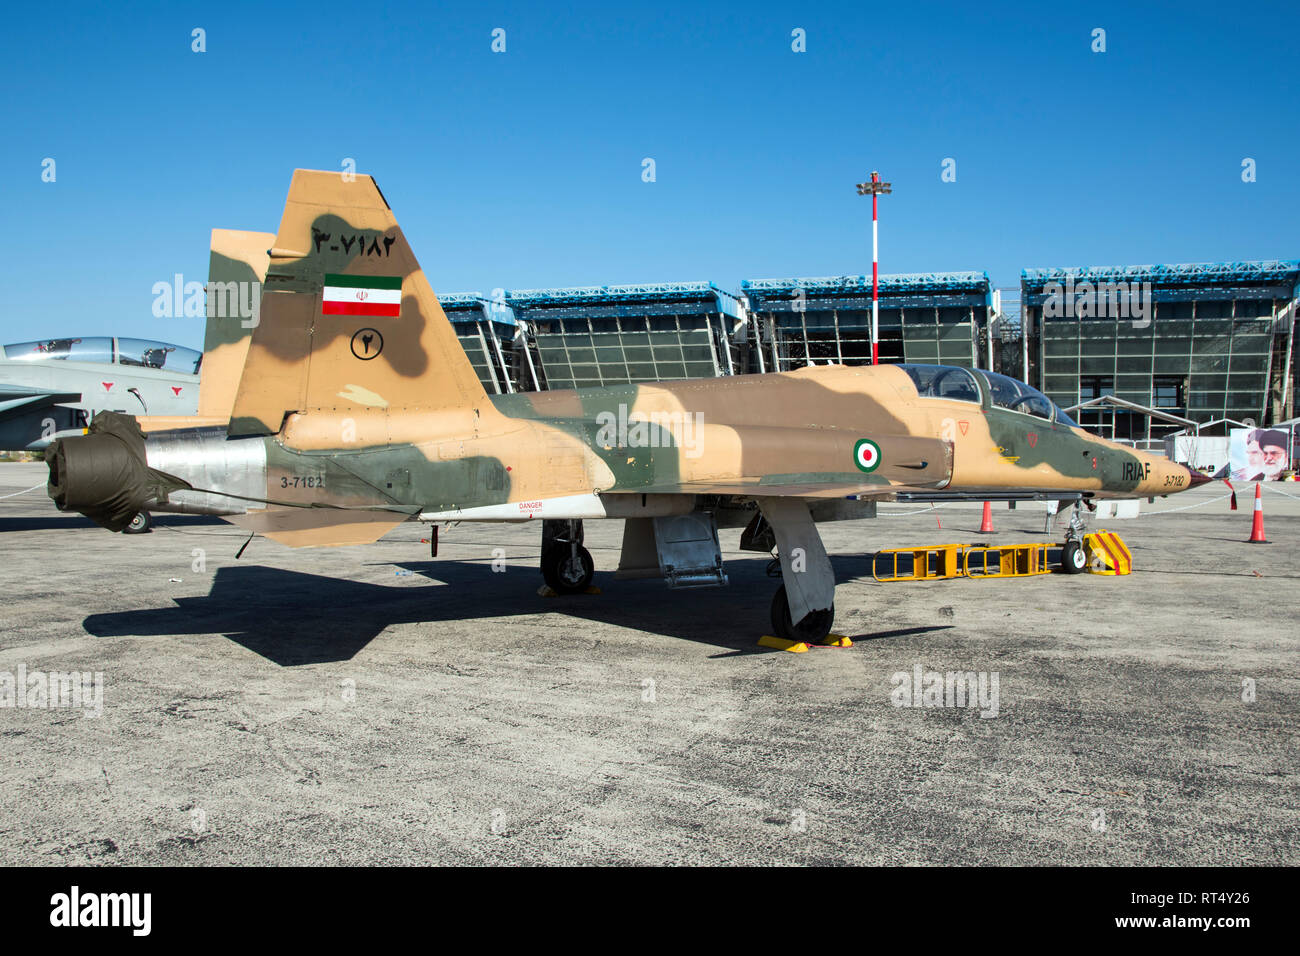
(293, 618)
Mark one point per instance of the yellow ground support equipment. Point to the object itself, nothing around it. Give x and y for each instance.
(1005, 561)
(801, 647)
(928, 564)
(1107, 553)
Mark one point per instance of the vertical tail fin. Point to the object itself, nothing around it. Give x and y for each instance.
(348, 319)
(236, 272)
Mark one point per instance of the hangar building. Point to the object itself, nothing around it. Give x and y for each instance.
(1199, 342)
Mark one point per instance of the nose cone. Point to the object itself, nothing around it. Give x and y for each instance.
(1158, 476)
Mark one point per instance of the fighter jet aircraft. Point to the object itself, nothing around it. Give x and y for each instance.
(54, 386)
(357, 410)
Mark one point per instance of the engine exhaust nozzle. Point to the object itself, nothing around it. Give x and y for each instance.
(104, 474)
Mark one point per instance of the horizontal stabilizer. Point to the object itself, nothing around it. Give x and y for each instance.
(319, 527)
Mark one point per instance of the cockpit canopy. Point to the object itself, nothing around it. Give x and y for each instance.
(106, 350)
(957, 384)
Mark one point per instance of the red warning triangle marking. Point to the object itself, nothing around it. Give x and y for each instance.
(176, 389)
(963, 426)
(108, 386)
(1033, 439)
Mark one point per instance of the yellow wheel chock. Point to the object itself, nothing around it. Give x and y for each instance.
(1107, 553)
(800, 647)
(547, 591)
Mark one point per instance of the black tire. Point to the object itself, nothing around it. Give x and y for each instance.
(812, 629)
(1073, 558)
(562, 575)
(142, 523)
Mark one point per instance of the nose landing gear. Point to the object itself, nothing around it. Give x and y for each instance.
(1073, 558)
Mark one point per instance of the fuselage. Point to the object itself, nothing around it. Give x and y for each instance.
(586, 453)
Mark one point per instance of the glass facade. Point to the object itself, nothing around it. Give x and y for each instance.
(1200, 360)
(590, 359)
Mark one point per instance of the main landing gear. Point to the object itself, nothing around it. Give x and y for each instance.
(813, 628)
(803, 608)
(566, 565)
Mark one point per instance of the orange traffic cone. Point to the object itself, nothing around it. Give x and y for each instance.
(986, 526)
(1257, 526)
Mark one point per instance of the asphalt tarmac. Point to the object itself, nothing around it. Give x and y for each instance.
(373, 705)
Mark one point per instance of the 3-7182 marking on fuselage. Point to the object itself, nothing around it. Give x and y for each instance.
(298, 481)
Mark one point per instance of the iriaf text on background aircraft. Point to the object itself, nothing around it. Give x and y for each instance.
(357, 410)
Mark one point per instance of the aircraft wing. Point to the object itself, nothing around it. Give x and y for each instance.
(780, 486)
(18, 400)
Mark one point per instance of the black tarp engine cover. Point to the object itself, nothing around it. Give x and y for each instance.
(104, 474)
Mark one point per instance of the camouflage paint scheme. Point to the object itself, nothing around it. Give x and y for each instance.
(235, 257)
(331, 443)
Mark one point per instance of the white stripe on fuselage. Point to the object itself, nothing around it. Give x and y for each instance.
(589, 505)
(567, 506)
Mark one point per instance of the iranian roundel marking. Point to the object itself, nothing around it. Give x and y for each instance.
(866, 454)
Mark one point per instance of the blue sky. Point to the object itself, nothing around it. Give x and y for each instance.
(523, 169)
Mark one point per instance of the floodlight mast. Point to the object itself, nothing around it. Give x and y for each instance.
(874, 188)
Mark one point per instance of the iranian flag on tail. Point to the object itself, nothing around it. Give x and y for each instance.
(362, 295)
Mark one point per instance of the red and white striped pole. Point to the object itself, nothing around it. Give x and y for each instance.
(875, 277)
(875, 187)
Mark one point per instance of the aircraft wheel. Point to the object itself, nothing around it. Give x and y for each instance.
(1073, 558)
(812, 629)
(142, 523)
(563, 574)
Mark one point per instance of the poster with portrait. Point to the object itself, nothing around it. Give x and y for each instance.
(1258, 454)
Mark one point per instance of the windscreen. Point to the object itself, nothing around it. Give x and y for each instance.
(62, 350)
(943, 381)
(1016, 396)
(148, 354)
